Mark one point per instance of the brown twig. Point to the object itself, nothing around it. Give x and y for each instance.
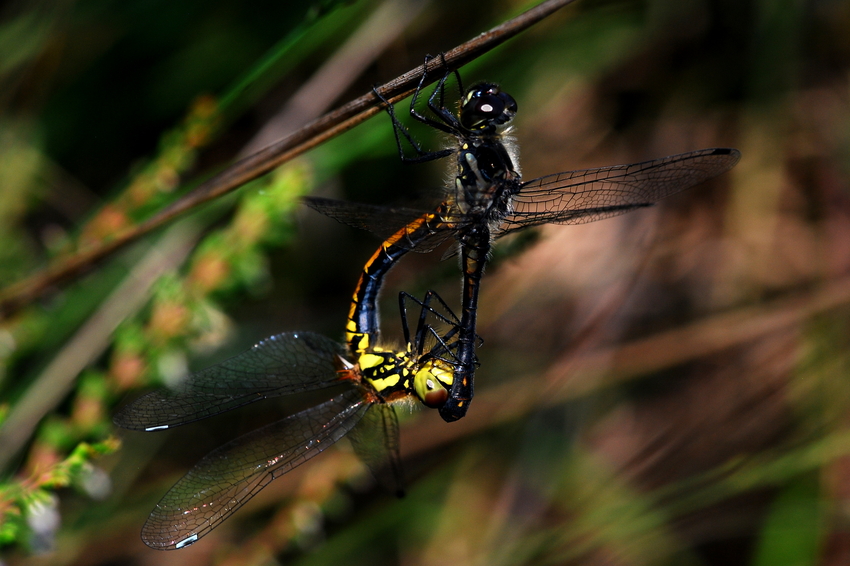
(320, 130)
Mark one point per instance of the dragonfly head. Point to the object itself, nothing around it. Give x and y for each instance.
(432, 383)
(484, 106)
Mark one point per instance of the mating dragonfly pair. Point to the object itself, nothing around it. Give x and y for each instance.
(437, 365)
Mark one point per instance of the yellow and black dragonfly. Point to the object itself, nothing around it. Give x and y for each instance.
(373, 379)
(489, 198)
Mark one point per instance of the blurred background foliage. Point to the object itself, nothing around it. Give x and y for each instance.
(666, 387)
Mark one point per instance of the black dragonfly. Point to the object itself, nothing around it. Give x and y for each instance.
(489, 198)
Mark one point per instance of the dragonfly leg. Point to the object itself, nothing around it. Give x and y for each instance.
(443, 316)
(400, 130)
(448, 121)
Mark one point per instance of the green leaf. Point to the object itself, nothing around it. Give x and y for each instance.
(792, 532)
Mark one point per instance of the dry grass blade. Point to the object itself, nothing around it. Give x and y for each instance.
(91, 340)
(581, 373)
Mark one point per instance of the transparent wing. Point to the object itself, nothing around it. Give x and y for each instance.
(413, 230)
(279, 365)
(577, 197)
(375, 441)
(226, 478)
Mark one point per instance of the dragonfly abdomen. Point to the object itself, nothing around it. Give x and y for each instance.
(363, 327)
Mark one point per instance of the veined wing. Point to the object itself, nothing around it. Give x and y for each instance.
(413, 230)
(578, 197)
(279, 365)
(226, 478)
(375, 441)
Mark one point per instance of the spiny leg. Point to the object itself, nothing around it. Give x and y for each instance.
(423, 329)
(448, 123)
(425, 309)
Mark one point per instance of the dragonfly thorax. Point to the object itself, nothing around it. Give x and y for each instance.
(484, 180)
(398, 375)
(394, 373)
(387, 372)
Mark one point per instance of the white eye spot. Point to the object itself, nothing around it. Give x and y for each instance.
(429, 384)
(486, 107)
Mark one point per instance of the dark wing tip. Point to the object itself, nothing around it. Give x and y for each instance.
(317, 203)
(731, 151)
(118, 419)
(126, 419)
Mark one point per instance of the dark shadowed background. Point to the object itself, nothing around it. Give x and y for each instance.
(668, 387)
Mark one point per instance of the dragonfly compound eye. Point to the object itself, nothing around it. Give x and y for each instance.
(431, 384)
(485, 106)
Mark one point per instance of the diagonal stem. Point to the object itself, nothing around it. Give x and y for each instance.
(316, 132)
(92, 339)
